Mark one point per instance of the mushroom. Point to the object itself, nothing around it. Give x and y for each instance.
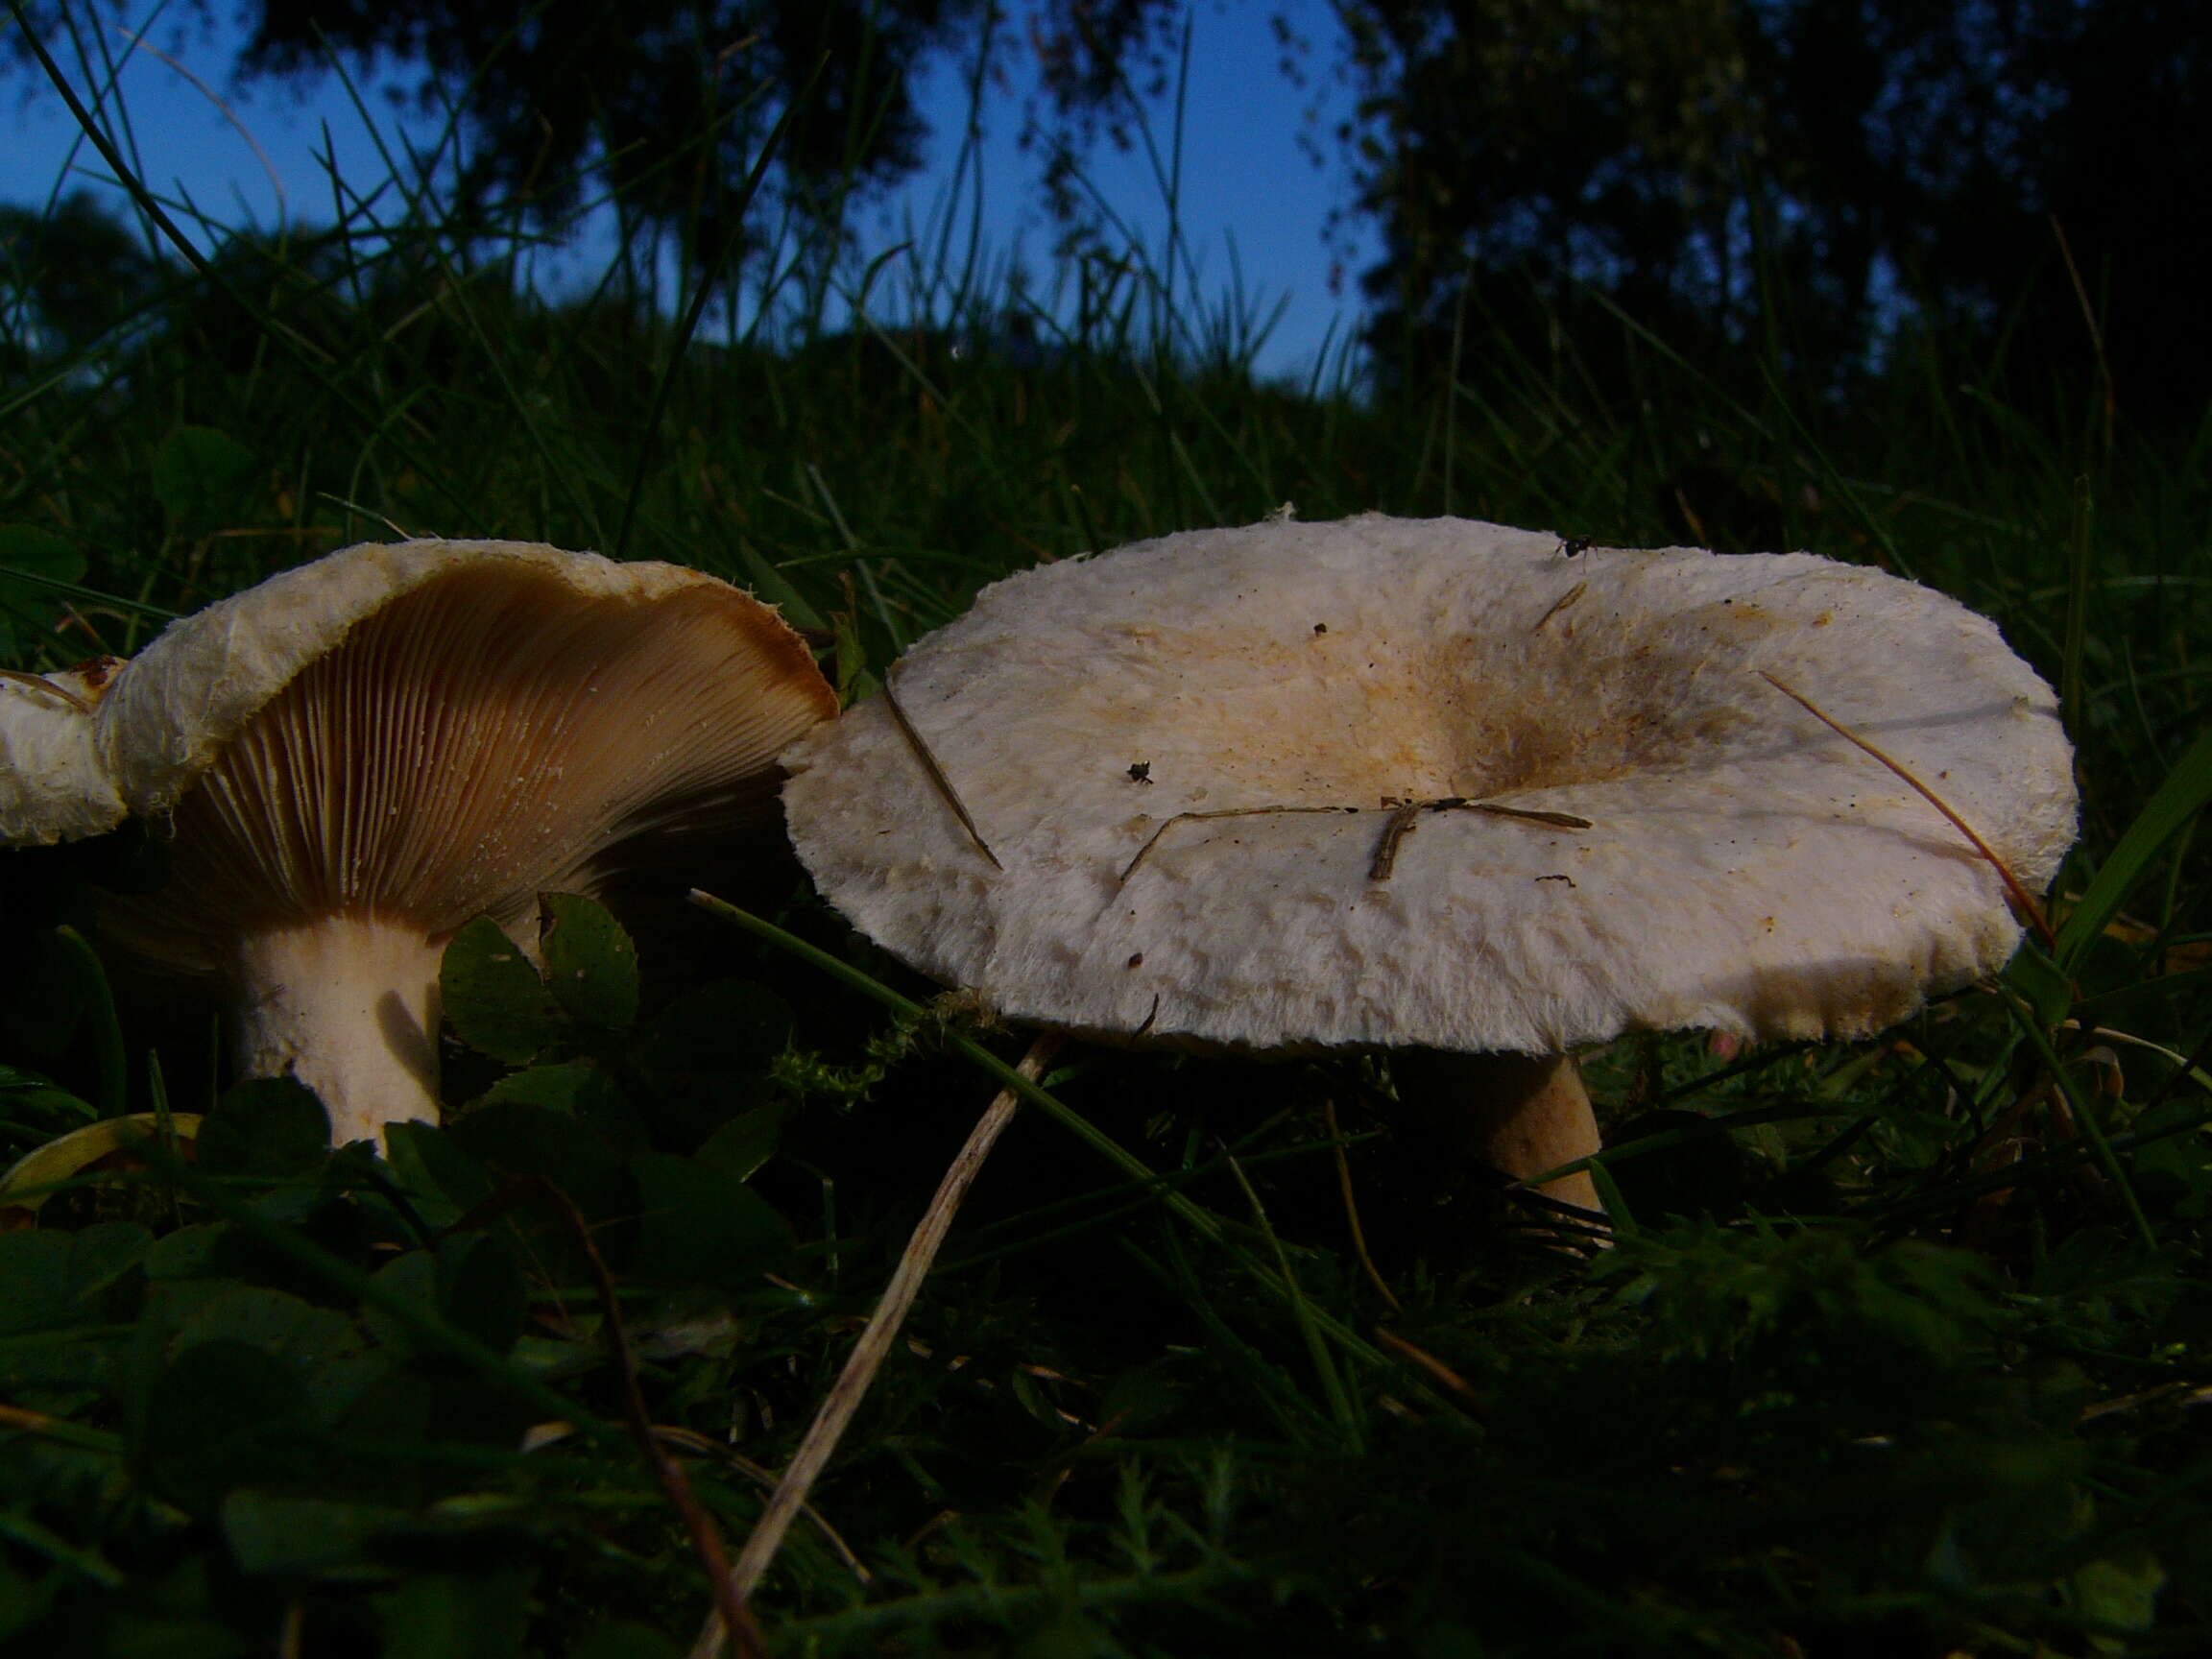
(360, 755)
(1442, 786)
(53, 786)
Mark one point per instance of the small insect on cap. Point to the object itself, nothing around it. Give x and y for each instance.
(1431, 781)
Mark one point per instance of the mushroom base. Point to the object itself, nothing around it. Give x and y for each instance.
(348, 1005)
(1520, 1114)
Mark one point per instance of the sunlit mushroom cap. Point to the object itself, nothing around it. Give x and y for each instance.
(434, 729)
(1190, 758)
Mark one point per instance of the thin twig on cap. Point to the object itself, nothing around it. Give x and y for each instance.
(937, 774)
(39, 683)
(1560, 604)
(1526, 814)
(1402, 818)
(1395, 830)
(2022, 901)
(1401, 824)
(1130, 869)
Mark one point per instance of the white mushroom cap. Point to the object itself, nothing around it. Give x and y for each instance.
(1743, 868)
(436, 729)
(53, 785)
(358, 756)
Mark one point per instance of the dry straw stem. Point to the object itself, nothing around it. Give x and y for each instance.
(760, 1474)
(39, 683)
(2023, 903)
(820, 1442)
(1352, 1211)
(1565, 601)
(1130, 869)
(943, 783)
(1395, 828)
(667, 1473)
(1459, 1388)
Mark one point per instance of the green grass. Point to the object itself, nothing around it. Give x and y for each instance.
(1893, 1356)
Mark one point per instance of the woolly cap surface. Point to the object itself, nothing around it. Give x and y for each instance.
(1743, 867)
(53, 784)
(432, 729)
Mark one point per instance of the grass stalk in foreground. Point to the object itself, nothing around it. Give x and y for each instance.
(1204, 1222)
(844, 1398)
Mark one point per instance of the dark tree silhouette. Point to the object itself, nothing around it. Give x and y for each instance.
(1832, 165)
(68, 275)
(671, 98)
(1812, 170)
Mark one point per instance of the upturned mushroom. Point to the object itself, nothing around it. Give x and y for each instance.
(1443, 786)
(360, 755)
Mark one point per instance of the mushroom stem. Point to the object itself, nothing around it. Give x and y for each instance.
(348, 1005)
(1520, 1114)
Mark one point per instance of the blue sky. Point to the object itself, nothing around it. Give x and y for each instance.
(252, 154)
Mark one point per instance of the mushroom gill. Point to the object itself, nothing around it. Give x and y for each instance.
(359, 756)
(483, 738)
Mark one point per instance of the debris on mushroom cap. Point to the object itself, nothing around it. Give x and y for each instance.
(430, 731)
(53, 786)
(1328, 720)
